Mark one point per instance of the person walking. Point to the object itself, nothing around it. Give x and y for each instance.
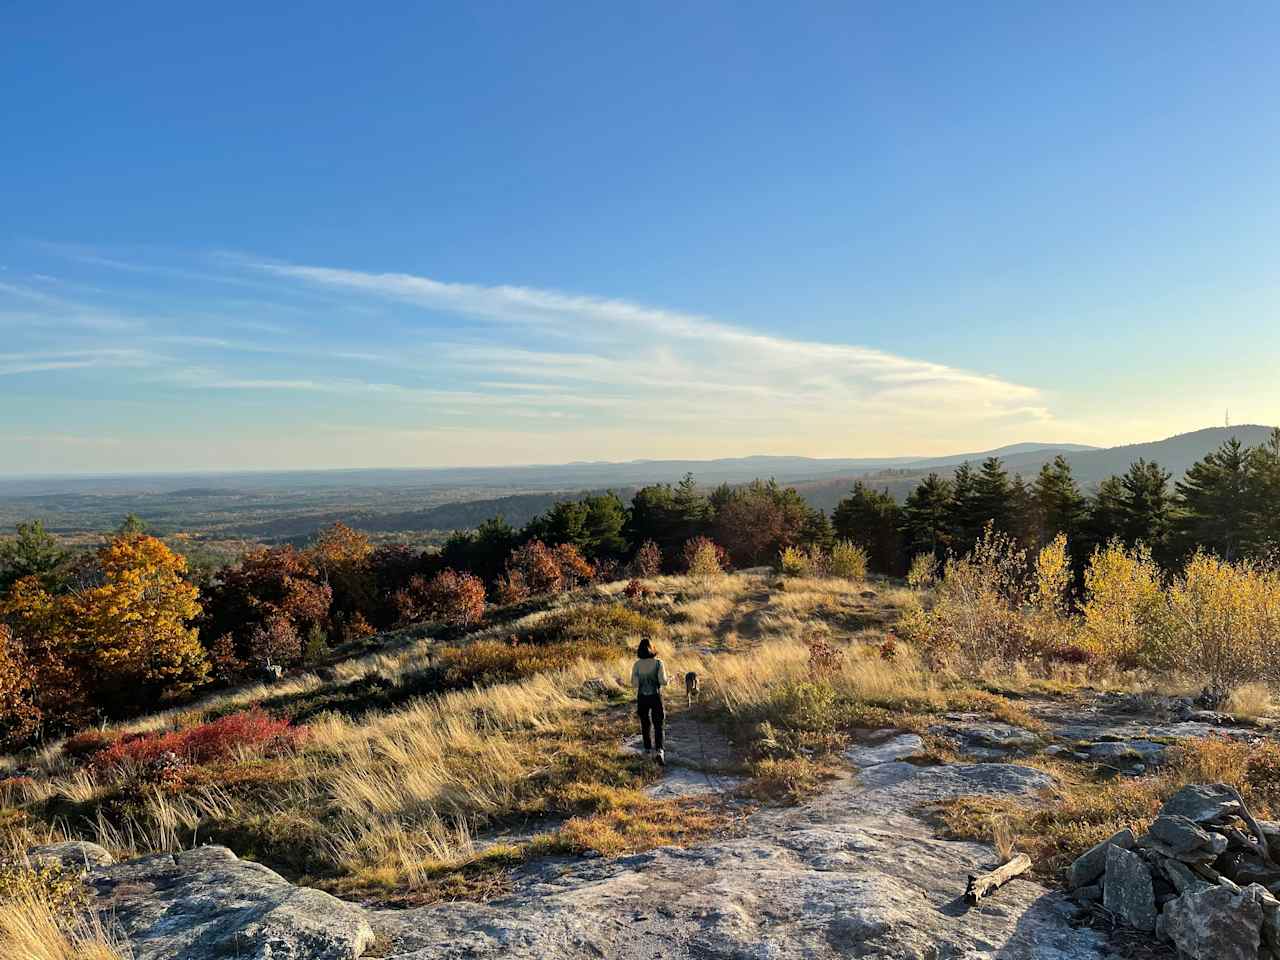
(649, 676)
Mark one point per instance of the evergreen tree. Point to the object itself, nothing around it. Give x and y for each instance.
(816, 531)
(1213, 508)
(926, 517)
(872, 519)
(668, 515)
(483, 551)
(1145, 507)
(33, 552)
(966, 522)
(992, 498)
(1262, 536)
(1058, 506)
(1102, 520)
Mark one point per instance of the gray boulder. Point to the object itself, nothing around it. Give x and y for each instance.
(1089, 866)
(205, 903)
(71, 855)
(1127, 890)
(1202, 803)
(1216, 924)
(1181, 838)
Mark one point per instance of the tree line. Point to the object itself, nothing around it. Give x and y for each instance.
(96, 634)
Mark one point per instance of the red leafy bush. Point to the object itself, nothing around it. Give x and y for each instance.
(648, 560)
(454, 598)
(574, 567)
(85, 744)
(206, 743)
(537, 566)
(635, 590)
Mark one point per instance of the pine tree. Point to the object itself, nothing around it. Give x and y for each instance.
(1057, 503)
(1213, 502)
(1262, 536)
(993, 496)
(926, 517)
(32, 553)
(1145, 508)
(966, 522)
(816, 531)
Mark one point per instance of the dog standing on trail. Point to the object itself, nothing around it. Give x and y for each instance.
(691, 686)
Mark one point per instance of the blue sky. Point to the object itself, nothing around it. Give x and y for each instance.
(321, 235)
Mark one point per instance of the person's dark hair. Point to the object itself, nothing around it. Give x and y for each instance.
(645, 650)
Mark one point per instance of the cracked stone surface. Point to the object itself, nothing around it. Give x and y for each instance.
(851, 873)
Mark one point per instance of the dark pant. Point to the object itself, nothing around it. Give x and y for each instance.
(649, 706)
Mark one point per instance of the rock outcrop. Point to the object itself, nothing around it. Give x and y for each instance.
(854, 872)
(1196, 878)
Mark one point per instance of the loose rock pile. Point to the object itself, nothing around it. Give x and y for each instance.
(1204, 877)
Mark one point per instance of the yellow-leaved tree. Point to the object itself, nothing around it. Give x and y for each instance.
(133, 626)
(118, 640)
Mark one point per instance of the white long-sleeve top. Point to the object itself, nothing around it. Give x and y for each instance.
(648, 676)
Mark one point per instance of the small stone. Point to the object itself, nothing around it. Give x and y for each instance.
(1127, 891)
(1089, 865)
(1182, 877)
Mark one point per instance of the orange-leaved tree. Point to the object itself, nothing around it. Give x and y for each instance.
(117, 641)
(19, 715)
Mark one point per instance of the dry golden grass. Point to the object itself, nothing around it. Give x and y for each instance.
(44, 914)
(31, 929)
(1252, 700)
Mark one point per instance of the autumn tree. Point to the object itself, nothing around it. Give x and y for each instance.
(19, 715)
(341, 558)
(756, 521)
(454, 598)
(121, 640)
(249, 603)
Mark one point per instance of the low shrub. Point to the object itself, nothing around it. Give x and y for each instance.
(647, 561)
(218, 740)
(703, 557)
(923, 572)
(848, 561)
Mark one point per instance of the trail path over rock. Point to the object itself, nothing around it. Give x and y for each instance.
(852, 873)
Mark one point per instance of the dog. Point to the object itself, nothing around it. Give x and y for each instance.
(691, 686)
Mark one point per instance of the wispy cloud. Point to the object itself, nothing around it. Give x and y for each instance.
(670, 359)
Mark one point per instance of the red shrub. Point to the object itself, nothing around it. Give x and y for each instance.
(538, 566)
(206, 743)
(512, 588)
(86, 744)
(635, 590)
(454, 598)
(648, 560)
(574, 567)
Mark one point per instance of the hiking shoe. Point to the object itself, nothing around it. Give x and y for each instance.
(662, 758)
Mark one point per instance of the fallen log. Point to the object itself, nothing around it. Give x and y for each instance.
(983, 884)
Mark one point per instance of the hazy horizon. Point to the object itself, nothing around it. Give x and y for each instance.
(437, 238)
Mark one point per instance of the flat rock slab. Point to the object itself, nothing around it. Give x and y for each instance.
(987, 739)
(205, 904)
(679, 782)
(849, 874)
(898, 746)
